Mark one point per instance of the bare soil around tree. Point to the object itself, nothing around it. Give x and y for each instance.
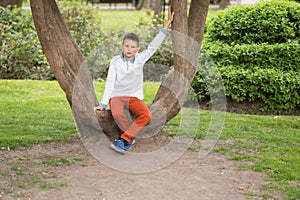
(66, 170)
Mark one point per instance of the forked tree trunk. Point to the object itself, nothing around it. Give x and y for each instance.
(71, 72)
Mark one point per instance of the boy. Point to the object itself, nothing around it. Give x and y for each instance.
(124, 86)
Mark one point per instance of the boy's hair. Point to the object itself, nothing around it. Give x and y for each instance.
(133, 37)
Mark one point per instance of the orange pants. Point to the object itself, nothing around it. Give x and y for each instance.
(137, 108)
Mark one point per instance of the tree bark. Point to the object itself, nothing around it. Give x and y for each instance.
(60, 48)
(12, 3)
(224, 4)
(187, 37)
(71, 72)
(144, 4)
(67, 64)
(156, 6)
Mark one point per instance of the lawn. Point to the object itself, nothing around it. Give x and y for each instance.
(126, 19)
(112, 20)
(37, 111)
(33, 111)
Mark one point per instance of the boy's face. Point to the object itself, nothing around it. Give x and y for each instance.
(129, 48)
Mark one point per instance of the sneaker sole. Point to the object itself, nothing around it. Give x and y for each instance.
(112, 146)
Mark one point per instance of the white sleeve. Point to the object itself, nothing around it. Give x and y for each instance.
(109, 85)
(153, 46)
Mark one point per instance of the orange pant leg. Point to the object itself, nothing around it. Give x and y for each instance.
(117, 106)
(137, 108)
(143, 117)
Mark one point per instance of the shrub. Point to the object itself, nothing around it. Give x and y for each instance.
(283, 56)
(279, 91)
(266, 22)
(22, 56)
(96, 46)
(21, 53)
(256, 49)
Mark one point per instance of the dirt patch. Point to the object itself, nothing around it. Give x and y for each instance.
(65, 170)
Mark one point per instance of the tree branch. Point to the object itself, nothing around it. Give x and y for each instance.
(196, 19)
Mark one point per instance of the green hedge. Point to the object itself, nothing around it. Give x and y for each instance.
(279, 91)
(276, 90)
(271, 22)
(256, 49)
(283, 56)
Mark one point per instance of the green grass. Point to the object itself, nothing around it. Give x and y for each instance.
(32, 112)
(37, 111)
(46, 185)
(268, 144)
(271, 143)
(113, 20)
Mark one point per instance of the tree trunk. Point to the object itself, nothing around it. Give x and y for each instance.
(12, 3)
(59, 46)
(156, 5)
(224, 4)
(187, 38)
(67, 64)
(71, 71)
(144, 4)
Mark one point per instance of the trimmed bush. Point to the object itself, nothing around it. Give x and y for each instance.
(279, 91)
(283, 56)
(256, 49)
(271, 22)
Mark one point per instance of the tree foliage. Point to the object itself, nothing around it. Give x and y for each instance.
(21, 55)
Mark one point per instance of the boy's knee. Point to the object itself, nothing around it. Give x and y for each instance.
(148, 118)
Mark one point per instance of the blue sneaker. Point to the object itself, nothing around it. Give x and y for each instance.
(128, 145)
(118, 145)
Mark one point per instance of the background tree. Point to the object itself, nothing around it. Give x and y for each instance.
(12, 3)
(224, 4)
(155, 5)
(67, 62)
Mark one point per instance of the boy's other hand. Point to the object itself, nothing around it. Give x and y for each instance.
(170, 14)
(170, 18)
(98, 108)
